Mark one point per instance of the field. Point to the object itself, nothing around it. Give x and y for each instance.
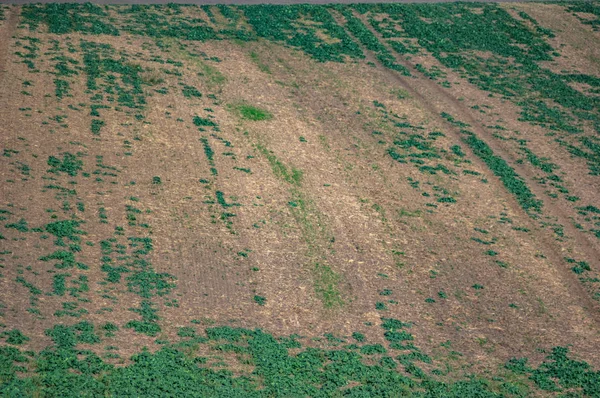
(302, 200)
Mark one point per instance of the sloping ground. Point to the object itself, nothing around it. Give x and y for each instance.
(300, 201)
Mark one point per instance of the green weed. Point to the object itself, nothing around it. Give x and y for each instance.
(250, 112)
(290, 175)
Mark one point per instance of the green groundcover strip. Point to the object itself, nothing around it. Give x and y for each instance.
(265, 367)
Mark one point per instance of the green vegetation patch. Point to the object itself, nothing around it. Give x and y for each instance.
(20, 225)
(148, 324)
(14, 337)
(191, 91)
(311, 28)
(63, 369)
(201, 122)
(290, 175)
(370, 41)
(559, 372)
(590, 7)
(62, 88)
(64, 229)
(511, 180)
(69, 164)
(63, 18)
(250, 112)
(326, 286)
(500, 54)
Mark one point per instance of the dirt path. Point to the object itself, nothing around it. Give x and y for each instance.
(435, 99)
(7, 29)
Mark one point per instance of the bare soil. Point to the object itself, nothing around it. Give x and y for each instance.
(356, 210)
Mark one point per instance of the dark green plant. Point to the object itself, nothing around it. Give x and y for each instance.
(70, 164)
(14, 337)
(260, 300)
